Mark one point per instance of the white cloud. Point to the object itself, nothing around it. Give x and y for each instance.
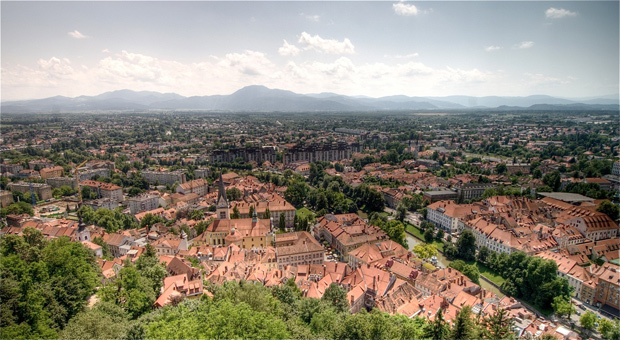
(525, 44)
(77, 35)
(105, 50)
(288, 49)
(224, 74)
(492, 48)
(312, 17)
(557, 13)
(406, 56)
(405, 10)
(329, 46)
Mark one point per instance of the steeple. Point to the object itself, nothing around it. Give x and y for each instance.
(254, 216)
(223, 209)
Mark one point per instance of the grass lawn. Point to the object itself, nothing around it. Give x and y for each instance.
(305, 213)
(410, 228)
(489, 274)
(362, 214)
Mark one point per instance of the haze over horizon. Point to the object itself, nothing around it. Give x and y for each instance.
(563, 49)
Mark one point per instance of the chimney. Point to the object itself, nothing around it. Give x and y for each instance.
(352, 301)
(374, 282)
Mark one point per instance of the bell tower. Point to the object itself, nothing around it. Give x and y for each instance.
(223, 208)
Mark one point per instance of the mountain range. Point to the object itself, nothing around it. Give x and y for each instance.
(258, 98)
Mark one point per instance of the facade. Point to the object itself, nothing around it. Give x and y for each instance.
(447, 214)
(11, 168)
(105, 190)
(6, 198)
(439, 195)
(471, 191)
(276, 207)
(202, 173)
(44, 191)
(197, 186)
(320, 152)
(298, 248)
(89, 174)
(164, 177)
(143, 203)
(249, 154)
(40, 163)
(57, 182)
(55, 171)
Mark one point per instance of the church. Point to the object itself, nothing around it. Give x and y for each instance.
(246, 233)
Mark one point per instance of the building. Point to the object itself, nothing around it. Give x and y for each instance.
(346, 232)
(276, 206)
(447, 214)
(298, 248)
(91, 173)
(202, 173)
(38, 164)
(6, 198)
(320, 152)
(164, 177)
(602, 183)
(198, 186)
(57, 182)
(143, 203)
(246, 233)
(248, 154)
(607, 293)
(105, 190)
(102, 203)
(472, 191)
(55, 171)
(439, 195)
(44, 191)
(616, 169)
(13, 169)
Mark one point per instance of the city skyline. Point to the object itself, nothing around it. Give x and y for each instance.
(564, 49)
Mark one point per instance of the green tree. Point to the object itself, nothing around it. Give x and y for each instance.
(235, 214)
(425, 251)
(267, 214)
(466, 246)
(463, 328)
(130, 291)
(233, 194)
(501, 168)
(196, 215)
(429, 235)
(562, 306)
(282, 222)
(497, 325)
(609, 209)
(396, 232)
(104, 321)
(336, 296)
(605, 328)
(401, 211)
(18, 208)
(483, 254)
(587, 320)
(437, 329)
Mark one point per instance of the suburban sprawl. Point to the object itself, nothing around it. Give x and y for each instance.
(488, 224)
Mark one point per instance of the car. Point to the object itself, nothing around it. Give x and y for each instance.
(578, 312)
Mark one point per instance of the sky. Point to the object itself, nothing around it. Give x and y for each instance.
(371, 48)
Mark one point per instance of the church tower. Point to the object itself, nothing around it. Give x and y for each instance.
(223, 209)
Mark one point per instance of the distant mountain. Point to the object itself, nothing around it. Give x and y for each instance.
(260, 98)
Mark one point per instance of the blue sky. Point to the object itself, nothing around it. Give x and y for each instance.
(568, 49)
